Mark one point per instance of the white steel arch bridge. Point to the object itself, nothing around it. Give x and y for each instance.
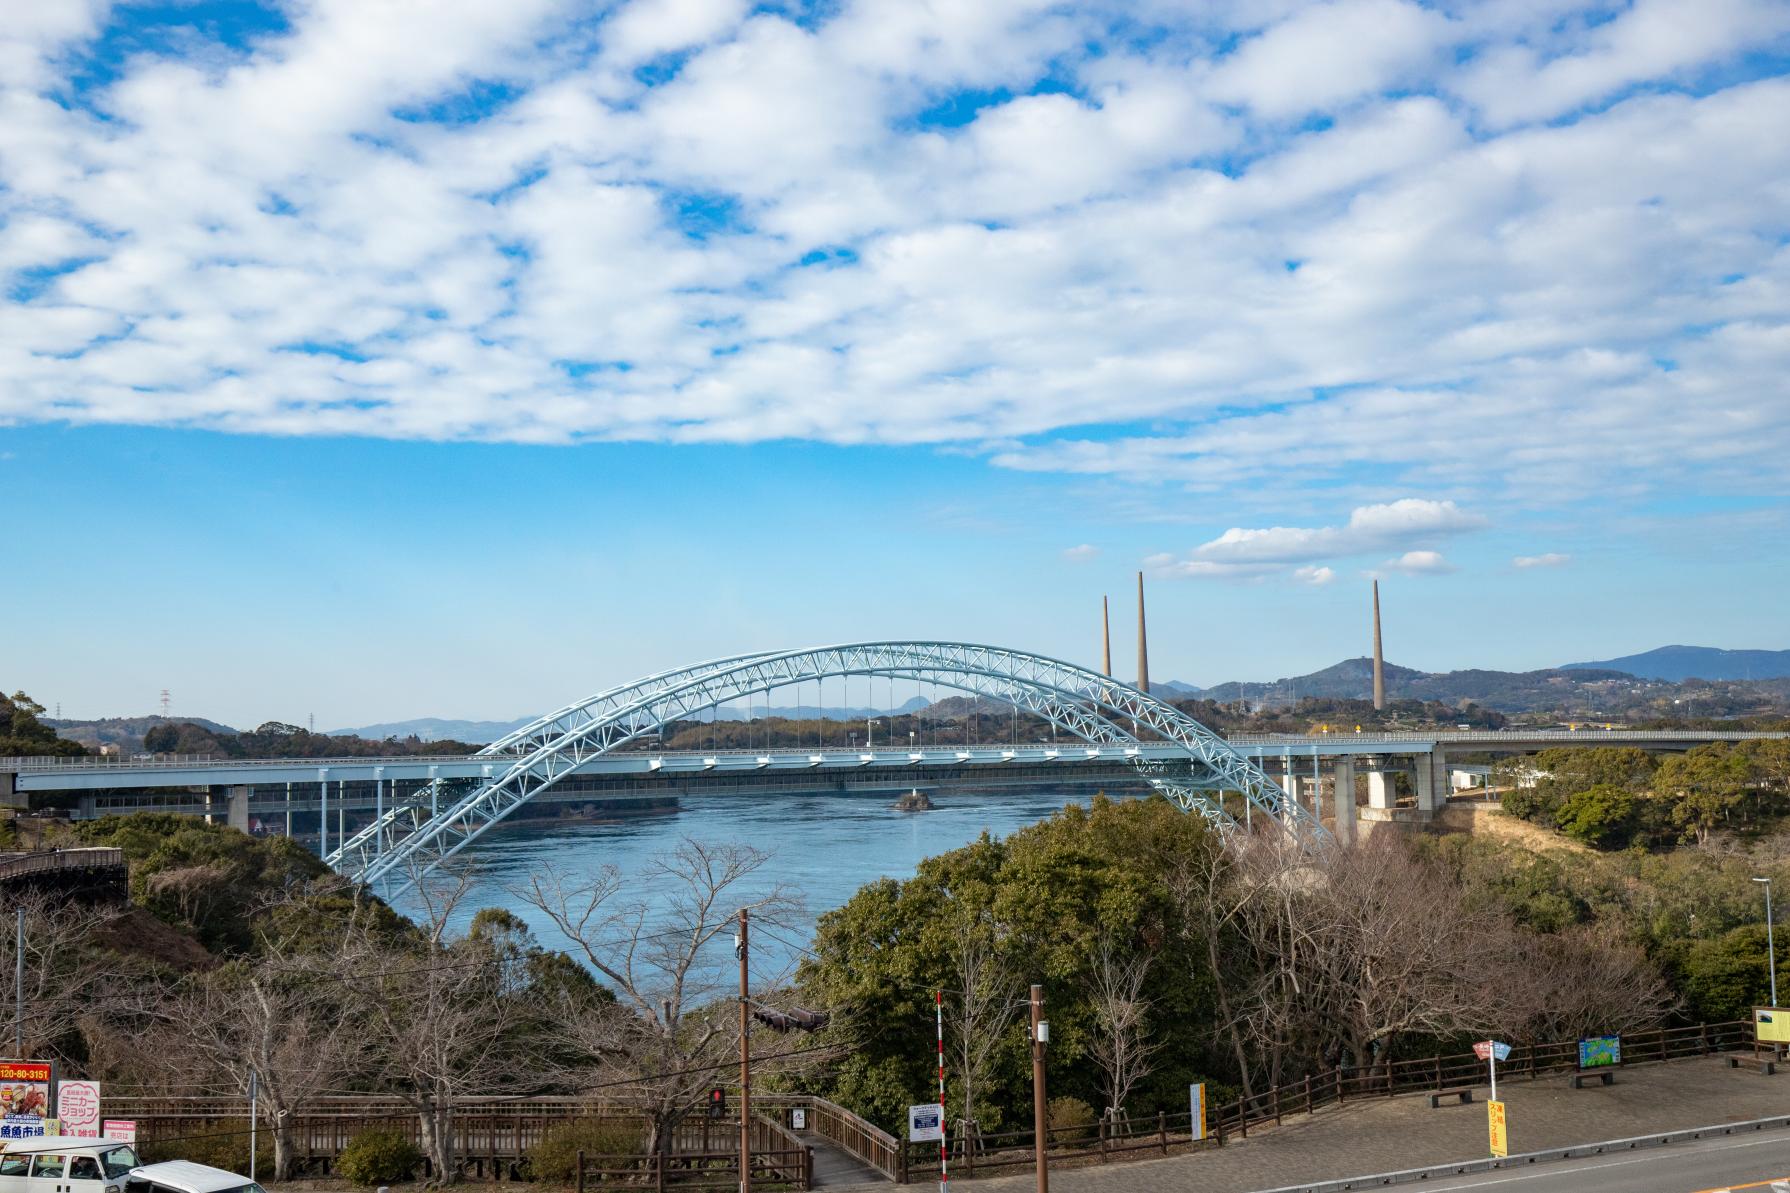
(408, 841)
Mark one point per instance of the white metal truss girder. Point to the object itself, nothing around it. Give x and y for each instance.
(406, 843)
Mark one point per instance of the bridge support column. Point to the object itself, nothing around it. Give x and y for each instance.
(9, 792)
(1382, 791)
(239, 807)
(1344, 800)
(1432, 781)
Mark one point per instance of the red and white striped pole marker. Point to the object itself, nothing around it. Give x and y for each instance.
(938, 1000)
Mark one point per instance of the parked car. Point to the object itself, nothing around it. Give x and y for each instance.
(184, 1176)
(66, 1164)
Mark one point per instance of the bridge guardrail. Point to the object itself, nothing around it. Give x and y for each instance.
(1411, 736)
(1493, 735)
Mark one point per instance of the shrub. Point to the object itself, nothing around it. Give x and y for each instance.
(229, 1152)
(555, 1158)
(1071, 1120)
(378, 1156)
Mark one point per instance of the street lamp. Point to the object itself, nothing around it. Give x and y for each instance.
(1771, 951)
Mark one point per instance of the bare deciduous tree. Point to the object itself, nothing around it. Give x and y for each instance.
(441, 1021)
(987, 997)
(1581, 982)
(277, 1020)
(670, 1032)
(65, 978)
(1118, 1043)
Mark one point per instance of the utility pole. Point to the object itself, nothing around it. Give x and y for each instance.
(18, 986)
(1040, 1117)
(254, 1089)
(745, 1062)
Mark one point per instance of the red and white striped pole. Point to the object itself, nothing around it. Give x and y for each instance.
(938, 999)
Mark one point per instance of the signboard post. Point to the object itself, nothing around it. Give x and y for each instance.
(1197, 1106)
(77, 1106)
(1491, 1052)
(124, 1130)
(1596, 1052)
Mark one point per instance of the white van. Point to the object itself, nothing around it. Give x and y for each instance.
(184, 1176)
(65, 1164)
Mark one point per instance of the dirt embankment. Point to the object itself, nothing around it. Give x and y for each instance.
(137, 933)
(1489, 820)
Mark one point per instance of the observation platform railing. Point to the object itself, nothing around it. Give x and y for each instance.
(1160, 1134)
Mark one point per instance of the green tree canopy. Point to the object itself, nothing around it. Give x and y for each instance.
(22, 735)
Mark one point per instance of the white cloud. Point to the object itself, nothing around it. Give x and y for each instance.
(1551, 559)
(1082, 553)
(1651, 40)
(1369, 528)
(1418, 563)
(326, 234)
(1249, 553)
(1327, 54)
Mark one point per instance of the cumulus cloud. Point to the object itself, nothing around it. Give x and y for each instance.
(1495, 249)
(1369, 528)
(1418, 563)
(1551, 559)
(1294, 550)
(1082, 553)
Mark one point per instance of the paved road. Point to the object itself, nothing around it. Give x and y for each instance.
(1679, 1168)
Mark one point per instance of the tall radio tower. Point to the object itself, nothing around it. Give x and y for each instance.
(165, 702)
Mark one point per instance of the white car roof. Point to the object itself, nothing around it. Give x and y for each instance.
(58, 1143)
(194, 1178)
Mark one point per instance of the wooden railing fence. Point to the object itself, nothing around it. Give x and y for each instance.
(1009, 1150)
(496, 1135)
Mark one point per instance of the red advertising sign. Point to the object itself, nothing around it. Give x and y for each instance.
(25, 1087)
(1483, 1050)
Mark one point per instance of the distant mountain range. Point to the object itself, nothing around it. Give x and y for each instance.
(1575, 684)
(435, 729)
(1353, 679)
(124, 733)
(1679, 663)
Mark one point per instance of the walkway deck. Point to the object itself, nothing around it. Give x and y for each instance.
(1360, 1138)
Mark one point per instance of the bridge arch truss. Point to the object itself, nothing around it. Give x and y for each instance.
(410, 840)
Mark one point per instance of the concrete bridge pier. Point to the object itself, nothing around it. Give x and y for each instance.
(1382, 787)
(229, 803)
(1432, 781)
(1344, 800)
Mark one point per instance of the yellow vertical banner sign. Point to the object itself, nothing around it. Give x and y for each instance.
(1494, 1113)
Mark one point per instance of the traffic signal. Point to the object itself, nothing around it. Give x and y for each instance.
(717, 1103)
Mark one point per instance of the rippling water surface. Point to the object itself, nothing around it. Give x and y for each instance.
(825, 846)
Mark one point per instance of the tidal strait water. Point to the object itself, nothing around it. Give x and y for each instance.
(824, 846)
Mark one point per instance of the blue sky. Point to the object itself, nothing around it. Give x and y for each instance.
(371, 360)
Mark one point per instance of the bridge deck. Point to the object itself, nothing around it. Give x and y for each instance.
(93, 774)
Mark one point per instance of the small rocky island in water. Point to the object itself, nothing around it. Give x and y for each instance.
(913, 801)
